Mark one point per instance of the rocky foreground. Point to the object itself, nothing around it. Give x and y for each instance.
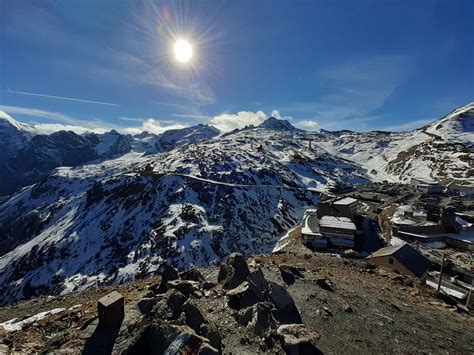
(290, 302)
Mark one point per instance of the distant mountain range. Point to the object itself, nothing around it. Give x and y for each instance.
(87, 213)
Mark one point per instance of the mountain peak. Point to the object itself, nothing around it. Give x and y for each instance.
(5, 116)
(456, 126)
(277, 124)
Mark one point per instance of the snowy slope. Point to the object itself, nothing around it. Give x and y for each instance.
(458, 126)
(105, 223)
(441, 151)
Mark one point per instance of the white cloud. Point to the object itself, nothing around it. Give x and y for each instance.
(307, 125)
(78, 126)
(277, 114)
(55, 116)
(228, 121)
(151, 126)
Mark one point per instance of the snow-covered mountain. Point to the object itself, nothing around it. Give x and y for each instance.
(27, 157)
(441, 151)
(276, 124)
(103, 223)
(190, 196)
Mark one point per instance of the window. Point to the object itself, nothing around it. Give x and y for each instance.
(390, 261)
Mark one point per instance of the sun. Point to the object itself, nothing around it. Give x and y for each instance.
(183, 51)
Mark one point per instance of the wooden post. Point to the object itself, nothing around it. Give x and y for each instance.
(111, 309)
(441, 272)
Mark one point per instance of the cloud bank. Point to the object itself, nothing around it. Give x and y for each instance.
(225, 122)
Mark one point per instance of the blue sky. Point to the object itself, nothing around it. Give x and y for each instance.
(322, 64)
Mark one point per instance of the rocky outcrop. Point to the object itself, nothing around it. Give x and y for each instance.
(233, 272)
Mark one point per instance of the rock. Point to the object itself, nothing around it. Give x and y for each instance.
(184, 286)
(244, 316)
(207, 349)
(287, 276)
(207, 285)
(325, 284)
(257, 280)
(111, 309)
(212, 333)
(194, 316)
(233, 272)
(4, 349)
(298, 339)
(243, 296)
(193, 275)
(146, 304)
(262, 318)
(170, 305)
(289, 273)
(166, 339)
(327, 311)
(346, 307)
(168, 273)
(286, 311)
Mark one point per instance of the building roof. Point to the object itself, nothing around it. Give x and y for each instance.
(337, 222)
(412, 259)
(345, 201)
(386, 251)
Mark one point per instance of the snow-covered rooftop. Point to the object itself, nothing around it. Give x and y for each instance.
(337, 222)
(345, 201)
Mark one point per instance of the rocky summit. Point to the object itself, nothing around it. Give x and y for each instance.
(244, 306)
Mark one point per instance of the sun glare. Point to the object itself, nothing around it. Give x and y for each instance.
(183, 51)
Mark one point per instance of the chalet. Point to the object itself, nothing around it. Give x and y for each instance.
(402, 258)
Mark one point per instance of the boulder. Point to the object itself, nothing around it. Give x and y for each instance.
(146, 304)
(285, 310)
(167, 273)
(243, 296)
(233, 272)
(262, 319)
(211, 332)
(244, 316)
(170, 305)
(192, 275)
(194, 316)
(257, 280)
(186, 287)
(167, 339)
(298, 339)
